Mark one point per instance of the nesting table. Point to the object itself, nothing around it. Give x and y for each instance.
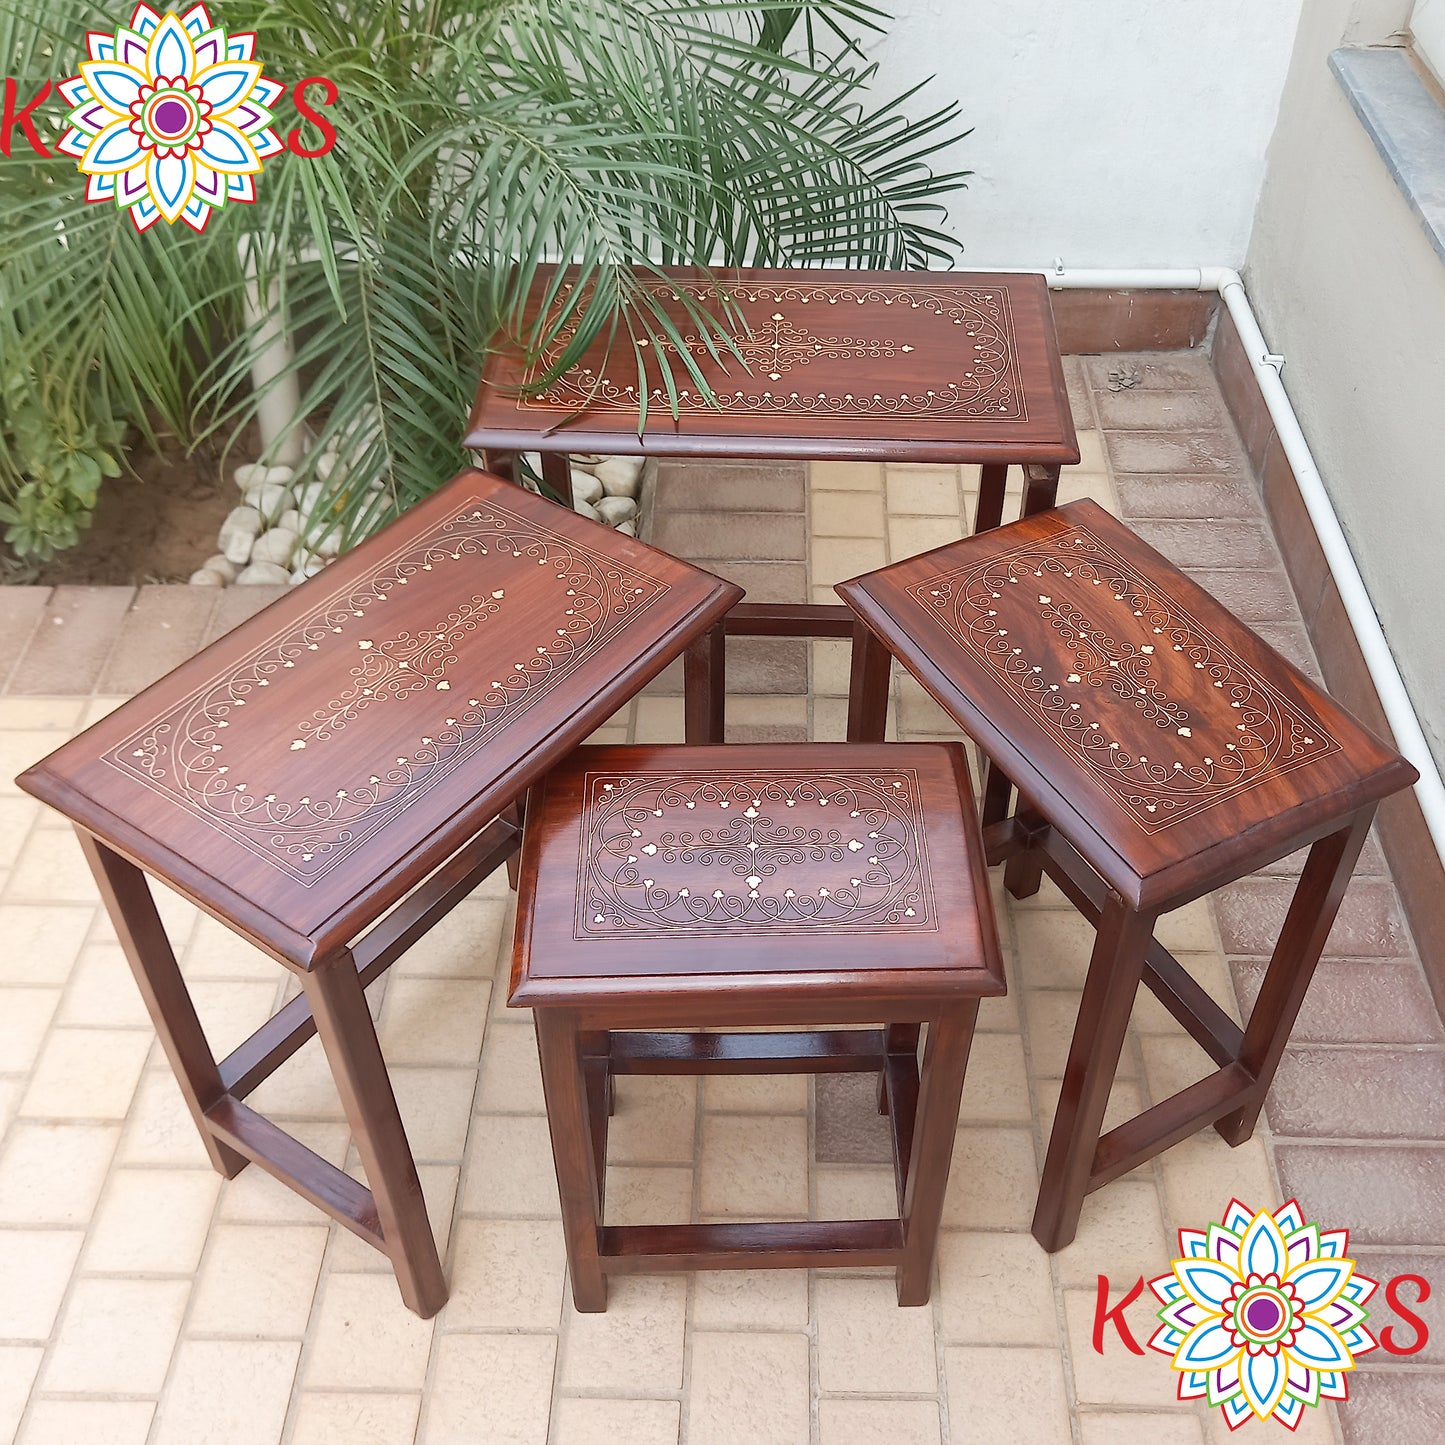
(946, 367)
(1161, 750)
(334, 776)
(669, 892)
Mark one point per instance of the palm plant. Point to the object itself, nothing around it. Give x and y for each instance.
(478, 140)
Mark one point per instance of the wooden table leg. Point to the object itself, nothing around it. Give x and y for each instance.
(348, 1035)
(564, 1082)
(704, 685)
(1307, 925)
(868, 679)
(501, 464)
(142, 935)
(1113, 980)
(1024, 872)
(557, 474)
(1041, 488)
(993, 479)
(940, 1087)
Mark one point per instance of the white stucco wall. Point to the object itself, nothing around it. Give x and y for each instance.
(1349, 288)
(1111, 132)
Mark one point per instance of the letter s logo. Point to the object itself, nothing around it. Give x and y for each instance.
(328, 131)
(1422, 1332)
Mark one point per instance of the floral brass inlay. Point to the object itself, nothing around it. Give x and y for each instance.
(1219, 727)
(722, 853)
(978, 377)
(463, 680)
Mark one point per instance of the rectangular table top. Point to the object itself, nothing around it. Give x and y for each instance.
(1165, 740)
(304, 772)
(923, 366)
(822, 870)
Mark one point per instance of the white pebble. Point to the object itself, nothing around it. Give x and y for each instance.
(616, 510)
(620, 476)
(586, 509)
(266, 574)
(326, 463)
(585, 488)
(290, 519)
(270, 499)
(222, 564)
(280, 476)
(250, 475)
(276, 546)
(206, 577)
(238, 532)
(628, 528)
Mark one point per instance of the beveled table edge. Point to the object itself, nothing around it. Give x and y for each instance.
(253, 922)
(1190, 877)
(671, 440)
(663, 990)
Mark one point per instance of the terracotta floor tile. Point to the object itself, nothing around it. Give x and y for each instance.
(846, 514)
(993, 1289)
(754, 1167)
(1117, 1376)
(72, 641)
(1100, 1427)
(854, 1192)
(1170, 370)
(51, 869)
(1252, 596)
(53, 1173)
(1191, 544)
(355, 1419)
(1395, 1406)
(258, 1280)
(363, 1337)
(649, 1194)
(102, 992)
(1163, 451)
(227, 1392)
(505, 1274)
(639, 1422)
(164, 627)
(878, 1422)
(88, 1422)
(1341, 1093)
(1369, 925)
(735, 536)
(1143, 495)
(654, 1122)
(846, 476)
(923, 491)
(21, 609)
(236, 605)
(1375, 1002)
(767, 581)
(849, 1129)
(36, 1265)
(748, 1387)
(509, 1171)
(490, 1387)
(1020, 1392)
(116, 1337)
(1385, 1194)
(152, 1221)
(868, 1344)
(636, 1346)
(1161, 409)
(87, 1073)
(750, 1299)
(433, 1021)
(993, 1180)
(731, 487)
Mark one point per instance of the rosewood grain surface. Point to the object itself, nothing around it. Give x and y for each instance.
(301, 774)
(754, 888)
(1159, 734)
(885, 366)
(1160, 750)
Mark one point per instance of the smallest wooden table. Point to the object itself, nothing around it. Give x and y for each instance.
(327, 781)
(1161, 750)
(706, 888)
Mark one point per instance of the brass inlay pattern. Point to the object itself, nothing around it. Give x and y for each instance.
(200, 756)
(720, 854)
(978, 377)
(1122, 649)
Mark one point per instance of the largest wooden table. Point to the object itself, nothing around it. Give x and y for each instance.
(938, 367)
(333, 777)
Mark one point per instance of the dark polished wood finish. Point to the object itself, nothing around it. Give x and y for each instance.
(333, 777)
(754, 888)
(1160, 749)
(903, 366)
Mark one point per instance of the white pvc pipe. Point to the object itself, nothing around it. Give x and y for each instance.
(279, 406)
(1384, 672)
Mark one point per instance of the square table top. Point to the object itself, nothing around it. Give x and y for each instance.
(807, 869)
(1166, 741)
(301, 774)
(922, 366)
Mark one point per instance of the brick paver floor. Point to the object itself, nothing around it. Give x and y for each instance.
(142, 1300)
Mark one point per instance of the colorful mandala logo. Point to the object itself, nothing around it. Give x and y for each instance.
(170, 117)
(1264, 1315)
